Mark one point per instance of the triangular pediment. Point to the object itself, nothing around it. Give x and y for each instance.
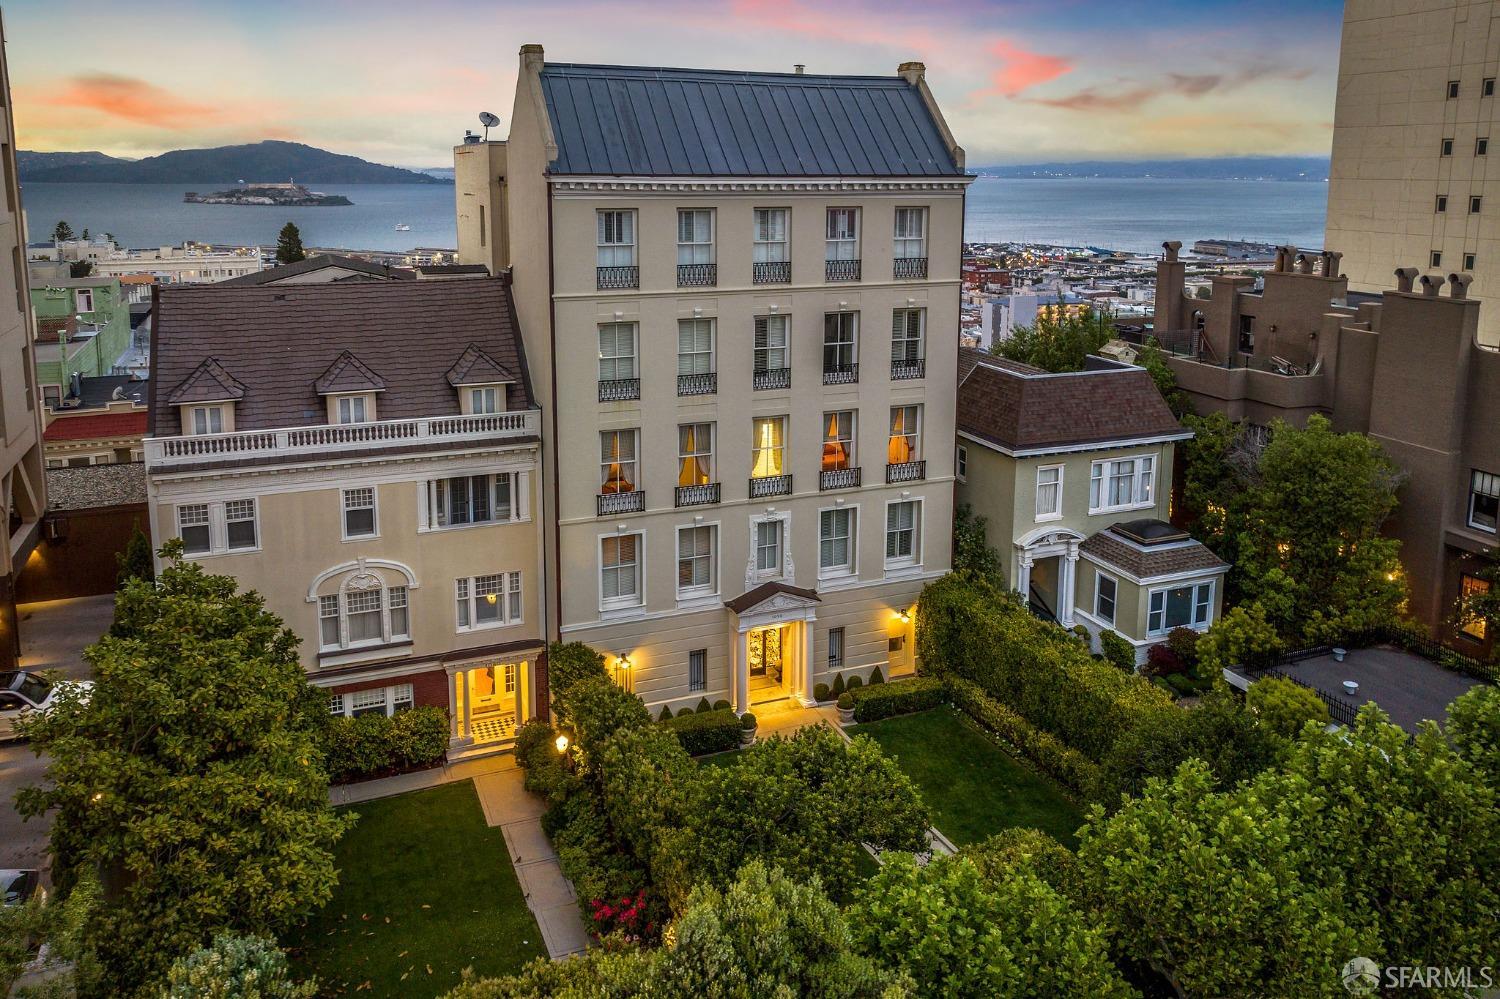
(773, 597)
(348, 373)
(475, 367)
(209, 382)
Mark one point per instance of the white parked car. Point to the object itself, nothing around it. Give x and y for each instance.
(22, 693)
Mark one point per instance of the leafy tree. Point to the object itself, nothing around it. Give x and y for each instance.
(971, 550)
(1243, 634)
(62, 232)
(192, 780)
(1285, 707)
(1058, 344)
(235, 966)
(1482, 604)
(135, 561)
(1474, 727)
(71, 967)
(958, 933)
(80, 268)
(289, 245)
(1216, 466)
(1030, 850)
(1154, 360)
(569, 662)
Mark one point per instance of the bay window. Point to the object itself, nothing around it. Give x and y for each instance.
(1188, 606)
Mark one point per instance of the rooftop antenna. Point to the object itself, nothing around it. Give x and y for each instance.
(488, 120)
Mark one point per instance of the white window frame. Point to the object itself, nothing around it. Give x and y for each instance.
(841, 241)
(961, 463)
(218, 520)
(620, 251)
(433, 514)
(509, 601)
(345, 508)
(486, 399)
(780, 451)
(1480, 484)
(398, 697)
(845, 332)
(901, 337)
(1100, 578)
(692, 361)
(633, 462)
(850, 537)
(769, 329)
(842, 422)
(699, 248)
(396, 596)
(906, 241)
(83, 300)
(1143, 484)
(783, 534)
(701, 450)
(615, 360)
(915, 557)
(1207, 604)
(694, 591)
(638, 576)
(206, 420)
(914, 434)
(1057, 498)
(768, 250)
(354, 409)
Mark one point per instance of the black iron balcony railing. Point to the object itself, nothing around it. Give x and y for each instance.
(619, 389)
(906, 471)
(771, 485)
(841, 270)
(841, 374)
(903, 370)
(697, 495)
(705, 383)
(618, 277)
(838, 478)
(772, 272)
(772, 378)
(697, 275)
(612, 503)
(909, 267)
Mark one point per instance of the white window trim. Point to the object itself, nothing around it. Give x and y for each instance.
(478, 392)
(387, 637)
(1474, 494)
(366, 399)
(897, 238)
(711, 242)
(1213, 587)
(830, 242)
(850, 571)
(614, 607)
(1056, 514)
(713, 343)
(905, 563)
(1098, 615)
(508, 578)
(1104, 464)
(712, 453)
(633, 244)
(343, 707)
(208, 419)
(785, 243)
(785, 570)
(520, 502)
(344, 514)
(634, 355)
(918, 450)
(218, 527)
(694, 595)
(79, 297)
(961, 463)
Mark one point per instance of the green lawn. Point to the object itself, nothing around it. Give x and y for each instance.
(425, 890)
(973, 787)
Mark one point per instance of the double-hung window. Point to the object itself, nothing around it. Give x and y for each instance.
(695, 347)
(475, 499)
(771, 236)
(836, 542)
(838, 440)
(907, 328)
(618, 461)
(359, 512)
(490, 601)
(769, 447)
(840, 342)
(616, 238)
(901, 533)
(906, 437)
(1484, 500)
(239, 525)
(353, 409)
(378, 700)
(772, 337)
(1122, 484)
(353, 618)
(911, 233)
(193, 528)
(695, 561)
(1189, 606)
(769, 538)
(695, 454)
(208, 419)
(620, 570)
(215, 528)
(1049, 492)
(84, 299)
(695, 237)
(488, 399)
(1105, 593)
(843, 234)
(617, 351)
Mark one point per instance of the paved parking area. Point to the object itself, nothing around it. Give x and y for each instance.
(1407, 687)
(22, 844)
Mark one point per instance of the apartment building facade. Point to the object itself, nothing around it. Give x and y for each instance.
(23, 483)
(739, 293)
(365, 455)
(1414, 122)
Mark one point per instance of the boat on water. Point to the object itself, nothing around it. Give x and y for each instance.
(402, 227)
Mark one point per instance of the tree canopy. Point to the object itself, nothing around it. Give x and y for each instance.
(62, 231)
(1056, 343)
(289, 245)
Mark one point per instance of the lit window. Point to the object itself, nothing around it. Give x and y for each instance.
(838, 440)
(1049, 491)
(905, 440)
(1471, 587)
(1180, 607)
(695, 454)
(488, 601)
(617, 461)
(769, 443)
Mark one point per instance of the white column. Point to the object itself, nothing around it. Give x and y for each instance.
(1067, 581)
(453, 733)
(468, 699)
(520, 689)
(805, 695)
(1023, 577)
(741, 667)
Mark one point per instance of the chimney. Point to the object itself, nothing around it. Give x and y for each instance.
(1431, 285)
(531, 55)
(1404, 277)
(1304, 264)
(1331, 260)
(1458, 285)
(799, 68)
(912, 72)
(1280, 260)
(1170, 249)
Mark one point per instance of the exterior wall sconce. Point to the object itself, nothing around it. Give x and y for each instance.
(905, 615)
(561, 743)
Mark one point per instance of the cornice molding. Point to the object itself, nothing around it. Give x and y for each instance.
(580, 187)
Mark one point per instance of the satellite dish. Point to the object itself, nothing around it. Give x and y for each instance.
(488, 120)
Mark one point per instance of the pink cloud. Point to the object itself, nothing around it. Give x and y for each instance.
(131, 99)
(1021, 69)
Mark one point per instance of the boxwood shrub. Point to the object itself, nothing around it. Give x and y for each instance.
(706, 731)
(1048, 754)
(899, 697)
(373, 744)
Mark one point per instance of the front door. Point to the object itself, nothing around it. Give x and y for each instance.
(765, 653)
(492, 701)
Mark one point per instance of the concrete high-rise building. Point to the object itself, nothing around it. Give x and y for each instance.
(1414, 126)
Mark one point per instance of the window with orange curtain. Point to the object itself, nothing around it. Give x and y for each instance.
(904, 435)
(838, 440)
(695, 454)
(769, 442)
(617, 461)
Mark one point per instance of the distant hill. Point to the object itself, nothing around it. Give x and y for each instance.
(1314, 168)
(258, 162)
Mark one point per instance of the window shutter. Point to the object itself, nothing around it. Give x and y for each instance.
(762, 332)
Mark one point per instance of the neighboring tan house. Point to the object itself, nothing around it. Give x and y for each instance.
(740, 296)
(82, 329)
(1404, 366)
(1073, 475)
(364, 454)
(23, 486)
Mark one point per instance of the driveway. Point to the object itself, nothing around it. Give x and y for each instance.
(22, 844)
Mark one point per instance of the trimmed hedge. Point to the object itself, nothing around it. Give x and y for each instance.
(899, 697)
(597, 708)
(373, 744)
(1114, 648)
(706, 731)
(1068, 767)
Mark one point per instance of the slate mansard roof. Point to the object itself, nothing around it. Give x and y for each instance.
(1025, 410)
(641, 121)
(274, 348)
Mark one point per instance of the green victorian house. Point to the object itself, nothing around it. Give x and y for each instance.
(82, 329)
(1073, 474)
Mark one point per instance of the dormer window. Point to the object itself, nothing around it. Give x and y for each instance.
(207, 419)
(486, 399)
(355, 408)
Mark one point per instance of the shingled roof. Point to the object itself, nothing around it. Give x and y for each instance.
(279, 341)
(645, 121)
(1150, 561)
(348, 374)
(1022, 409)
(318, 262)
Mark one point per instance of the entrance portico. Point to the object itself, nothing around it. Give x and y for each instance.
(772, 638)
(489, 699)
(1043, 583)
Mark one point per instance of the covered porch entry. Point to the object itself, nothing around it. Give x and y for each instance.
(1046, 572)
(489, 699)
(771, 644)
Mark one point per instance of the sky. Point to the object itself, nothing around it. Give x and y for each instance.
(1020, 81)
